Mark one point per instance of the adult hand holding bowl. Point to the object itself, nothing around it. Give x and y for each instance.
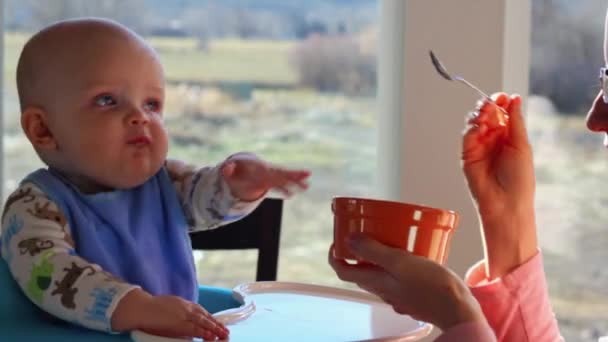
(418, 229)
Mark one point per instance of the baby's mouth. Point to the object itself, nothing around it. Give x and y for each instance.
(141, 140)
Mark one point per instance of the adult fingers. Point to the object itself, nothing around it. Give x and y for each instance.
(478, 143)
(493, 112)
(480, 131)
(517, 127)
(472, 147)
(398, 263)
(501, 99)
(394, 291)
(368, 277)
(350, 272)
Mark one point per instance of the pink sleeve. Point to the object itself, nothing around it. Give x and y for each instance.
(517, 305)
(471, 332)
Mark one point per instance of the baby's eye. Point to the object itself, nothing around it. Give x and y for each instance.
(105, 100)
(152, 106)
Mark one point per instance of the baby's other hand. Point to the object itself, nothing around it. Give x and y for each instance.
(175, 317)
(249, 177)
(168, 316)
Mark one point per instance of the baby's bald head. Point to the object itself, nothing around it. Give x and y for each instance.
(71, 73)
(66, 49)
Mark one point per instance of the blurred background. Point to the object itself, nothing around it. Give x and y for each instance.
(295, 81)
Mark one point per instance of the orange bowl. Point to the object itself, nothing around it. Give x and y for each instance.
(419, 229)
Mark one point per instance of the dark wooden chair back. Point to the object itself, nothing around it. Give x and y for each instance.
(259, 230)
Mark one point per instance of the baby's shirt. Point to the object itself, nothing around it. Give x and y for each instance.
(76, 255)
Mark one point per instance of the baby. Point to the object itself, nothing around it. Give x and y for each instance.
(100, 237)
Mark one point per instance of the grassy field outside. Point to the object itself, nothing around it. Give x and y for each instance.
(222, 60)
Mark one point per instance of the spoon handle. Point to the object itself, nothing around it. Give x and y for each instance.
(479, 91)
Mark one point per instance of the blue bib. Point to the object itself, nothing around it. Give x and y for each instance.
(139, 235)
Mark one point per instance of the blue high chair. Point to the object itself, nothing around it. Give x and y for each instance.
(22, 321)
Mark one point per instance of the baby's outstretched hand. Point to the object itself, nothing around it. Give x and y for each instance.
(249, 178)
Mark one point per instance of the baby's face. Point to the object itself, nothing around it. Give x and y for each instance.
(107, 115)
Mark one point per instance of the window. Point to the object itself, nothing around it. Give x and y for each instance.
(571, 164)
(293, 81)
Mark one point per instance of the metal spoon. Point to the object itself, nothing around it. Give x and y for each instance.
(445, 74)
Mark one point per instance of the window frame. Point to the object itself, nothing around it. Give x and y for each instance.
(412, 164)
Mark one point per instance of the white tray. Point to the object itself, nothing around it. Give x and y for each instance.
(282, 311)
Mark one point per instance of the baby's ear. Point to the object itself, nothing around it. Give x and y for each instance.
(35, 126)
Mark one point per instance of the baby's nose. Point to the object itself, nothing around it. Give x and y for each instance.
(138, 117)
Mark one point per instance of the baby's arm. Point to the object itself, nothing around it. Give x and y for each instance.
(37, 245)
(205, 196)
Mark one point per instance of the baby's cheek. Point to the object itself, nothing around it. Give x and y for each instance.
(162, 141)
